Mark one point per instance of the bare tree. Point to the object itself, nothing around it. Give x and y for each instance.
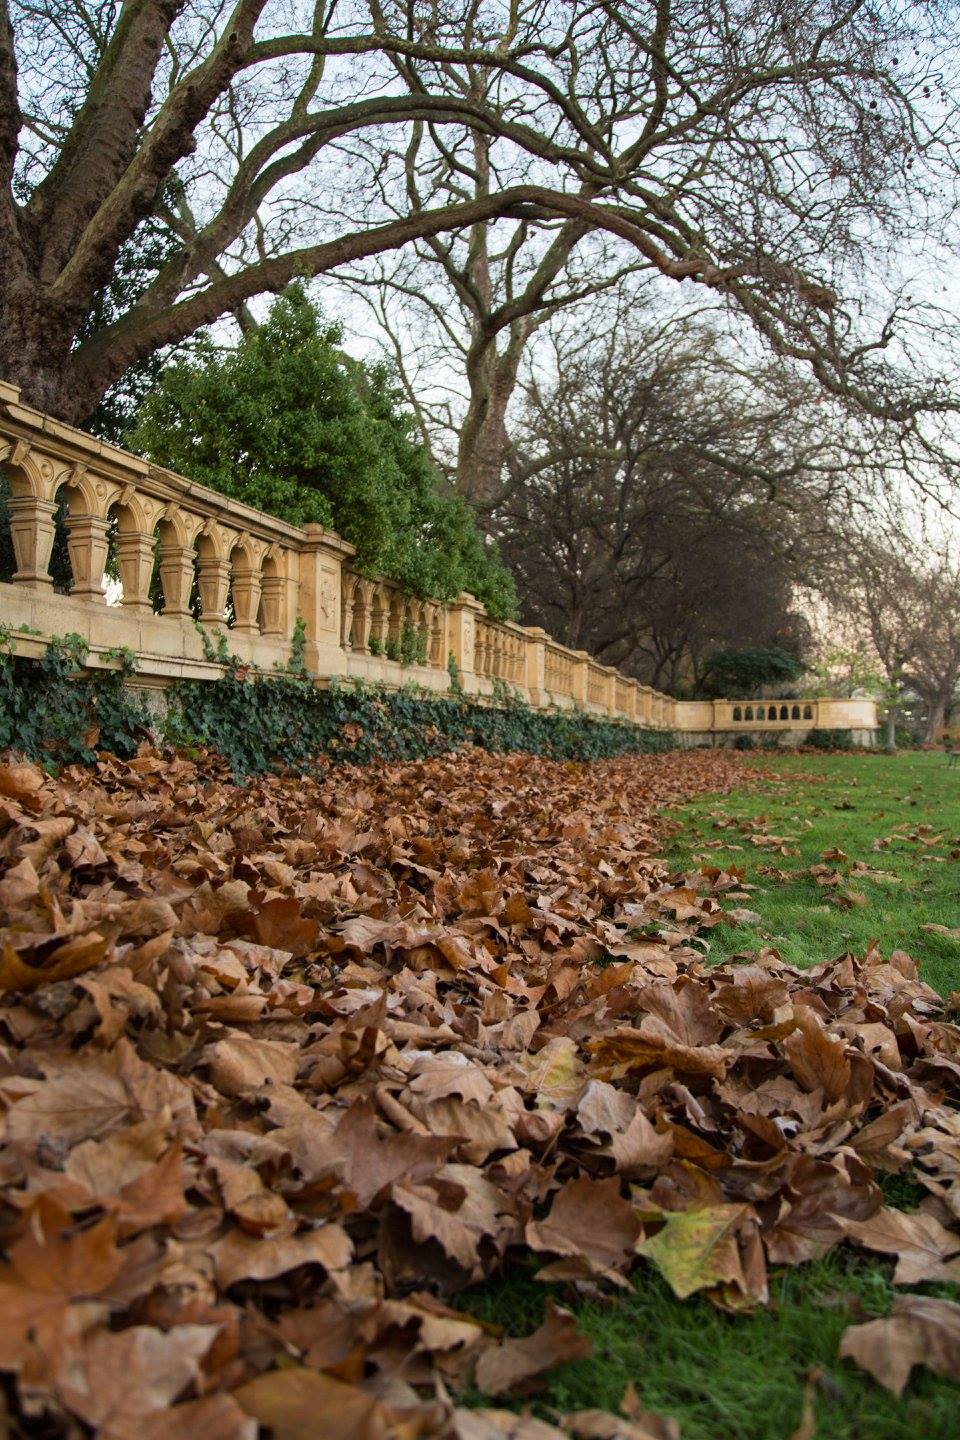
(904, 590)
(461, 308)
(664, 500)
(768, 152)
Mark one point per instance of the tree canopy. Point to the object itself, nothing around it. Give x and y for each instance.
(289, 423)
(787, 159)
(746, 670)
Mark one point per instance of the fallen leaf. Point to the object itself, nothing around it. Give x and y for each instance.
(512, 1363)
(918, 1331)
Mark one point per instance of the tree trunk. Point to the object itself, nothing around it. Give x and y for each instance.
(936, 711)
(483, 442)
(35, 352)
(891, 736)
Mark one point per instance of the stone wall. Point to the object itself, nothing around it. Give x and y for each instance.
(264, 573)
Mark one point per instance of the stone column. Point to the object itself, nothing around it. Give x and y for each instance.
(581, 677)
(135, 562)
(462, 635)
(213, 578)
(246, 596)
(87, 545)
(32, 529)
(176, 578)
(320, 599)
(535, 663)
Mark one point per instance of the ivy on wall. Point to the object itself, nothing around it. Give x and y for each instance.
(260, 723)
(58, 711)
(55, 710)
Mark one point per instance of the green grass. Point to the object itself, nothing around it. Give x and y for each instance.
(742, 1377)
(845, 802)
(732, 1377)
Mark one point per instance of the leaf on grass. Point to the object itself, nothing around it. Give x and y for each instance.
(515, 1363)
(921, 1244)
(918, 1331)
(589, 1222)
(698, 1249)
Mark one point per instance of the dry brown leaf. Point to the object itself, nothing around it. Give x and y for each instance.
(922, 1245)
(298, 1404)
(918, 1331)
(589, 1221)
(513, 1363)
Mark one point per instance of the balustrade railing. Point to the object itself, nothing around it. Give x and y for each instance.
(559, 672)
(187, 564)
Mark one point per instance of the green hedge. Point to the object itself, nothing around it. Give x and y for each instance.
(285, 722)
(818, 739)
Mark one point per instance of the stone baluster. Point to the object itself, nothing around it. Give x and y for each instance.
(87, 544)
(423, 632)
(395, 621)
(273, 592)
(177, 569)
(379, 611)
(213, 572)
(246, 561)
(364, 616)
(32, 530)
(434, 634)
(350, 586)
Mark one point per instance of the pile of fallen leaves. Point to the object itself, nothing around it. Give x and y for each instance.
(286, 1066)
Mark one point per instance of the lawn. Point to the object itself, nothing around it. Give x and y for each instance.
(724, 1377)
(897, 822)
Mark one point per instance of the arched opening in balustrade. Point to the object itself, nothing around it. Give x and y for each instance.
(784, 712)
(133, 573)
(808, 712)
(795, 713)
(174, 588)
(748, 713)
(271, 610)
(738, 712)
(761, 712)
(82, 563)
(245, 587)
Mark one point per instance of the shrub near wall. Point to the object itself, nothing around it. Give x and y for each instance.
(825, 739)
(261, 723)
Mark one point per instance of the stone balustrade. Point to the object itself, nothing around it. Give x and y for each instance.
(191, 565)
